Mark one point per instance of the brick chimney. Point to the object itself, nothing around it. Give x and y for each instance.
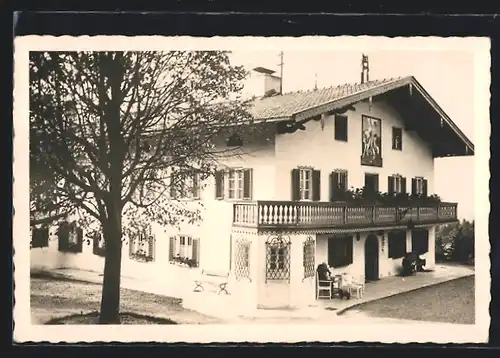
(272, 83)
(365, 69)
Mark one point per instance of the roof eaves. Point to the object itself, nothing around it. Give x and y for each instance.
(352, 98)
(442, 113)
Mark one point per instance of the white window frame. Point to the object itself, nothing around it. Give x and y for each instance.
(419, 185)
(187, 188)
(234, 181)
(398, 183)
(341, 173)
(305, 184)
(184, 246)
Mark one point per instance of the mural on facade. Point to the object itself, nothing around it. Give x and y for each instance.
(371, 139)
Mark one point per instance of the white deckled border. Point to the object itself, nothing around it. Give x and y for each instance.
(402, 333)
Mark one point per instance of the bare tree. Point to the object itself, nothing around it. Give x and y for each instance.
(111, 132)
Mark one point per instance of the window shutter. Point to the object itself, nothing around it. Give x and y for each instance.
(390, 185)
(151, 247)
(333, 186)
(171, 248)
(316, 185)
(172, 186)
(63, 236)
(345, 181)
(403, 185)
(131, 245)
(295, 184)
(349, 243)
(196, 186)
(424, 187)
(375, 183)
(413, 186)
(331, 252)
(219, 184)
(247, 184)
(79, 237)
(196, 250)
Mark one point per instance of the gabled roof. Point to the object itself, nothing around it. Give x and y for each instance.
(300, 105)
(289, 104)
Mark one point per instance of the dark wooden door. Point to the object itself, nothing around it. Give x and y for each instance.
(371, 183)
(371, 258)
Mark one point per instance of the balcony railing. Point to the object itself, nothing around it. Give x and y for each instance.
(307, 215)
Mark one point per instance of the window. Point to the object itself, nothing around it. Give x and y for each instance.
(185, 188)
(184, 249)
(308, 259)
(242, 259)
(396, 184)
(39, 237)
(338, 184)
(98, 244)
(306, 184)
(397, 244)
(142, 246)
(341, 128)
(397, 138)
(340, 251)
(278, 258)
(238, 183)
(419, 186)
(70, 237)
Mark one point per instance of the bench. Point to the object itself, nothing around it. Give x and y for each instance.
(212, 278)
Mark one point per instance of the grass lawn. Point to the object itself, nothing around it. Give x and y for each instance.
(448, 302)
(55, 298)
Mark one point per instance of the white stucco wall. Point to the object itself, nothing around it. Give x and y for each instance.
(318, 148)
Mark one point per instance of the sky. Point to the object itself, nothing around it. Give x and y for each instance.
(448, 76)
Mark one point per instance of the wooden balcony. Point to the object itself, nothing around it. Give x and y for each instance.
(316, 215)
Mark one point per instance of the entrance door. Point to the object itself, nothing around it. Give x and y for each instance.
(371, 258)
(371, 183)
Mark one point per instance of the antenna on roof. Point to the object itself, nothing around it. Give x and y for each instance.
(315, 81)
(281, 72)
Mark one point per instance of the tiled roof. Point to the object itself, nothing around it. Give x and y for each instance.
(291, 103)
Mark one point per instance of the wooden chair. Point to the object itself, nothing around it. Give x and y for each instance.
(323, 288)
(357, 287)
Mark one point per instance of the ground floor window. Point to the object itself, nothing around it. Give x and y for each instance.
(70, 237)
(397, 244)
(278, 258)
(142, 246)
(98, 244)
(242, 259)
(308, 260)
(184, 249)
(39, 237)
(340, 251)
(420, 241)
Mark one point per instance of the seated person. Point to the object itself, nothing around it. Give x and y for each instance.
(324, 273)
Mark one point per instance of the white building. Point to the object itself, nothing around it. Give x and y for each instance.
(274, 213)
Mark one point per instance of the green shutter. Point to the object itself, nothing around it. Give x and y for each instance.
(403, 185)
(295, 184)
(196, 250)
(151, 247)
(316, 185)
(219, 184)
(247, 184)
(333, 186)
(171, 248)
(424, 188)
(390, 185)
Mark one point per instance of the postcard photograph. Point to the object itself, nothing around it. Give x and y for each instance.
(251, 189)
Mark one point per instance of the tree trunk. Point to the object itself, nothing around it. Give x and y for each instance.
(110, 301)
